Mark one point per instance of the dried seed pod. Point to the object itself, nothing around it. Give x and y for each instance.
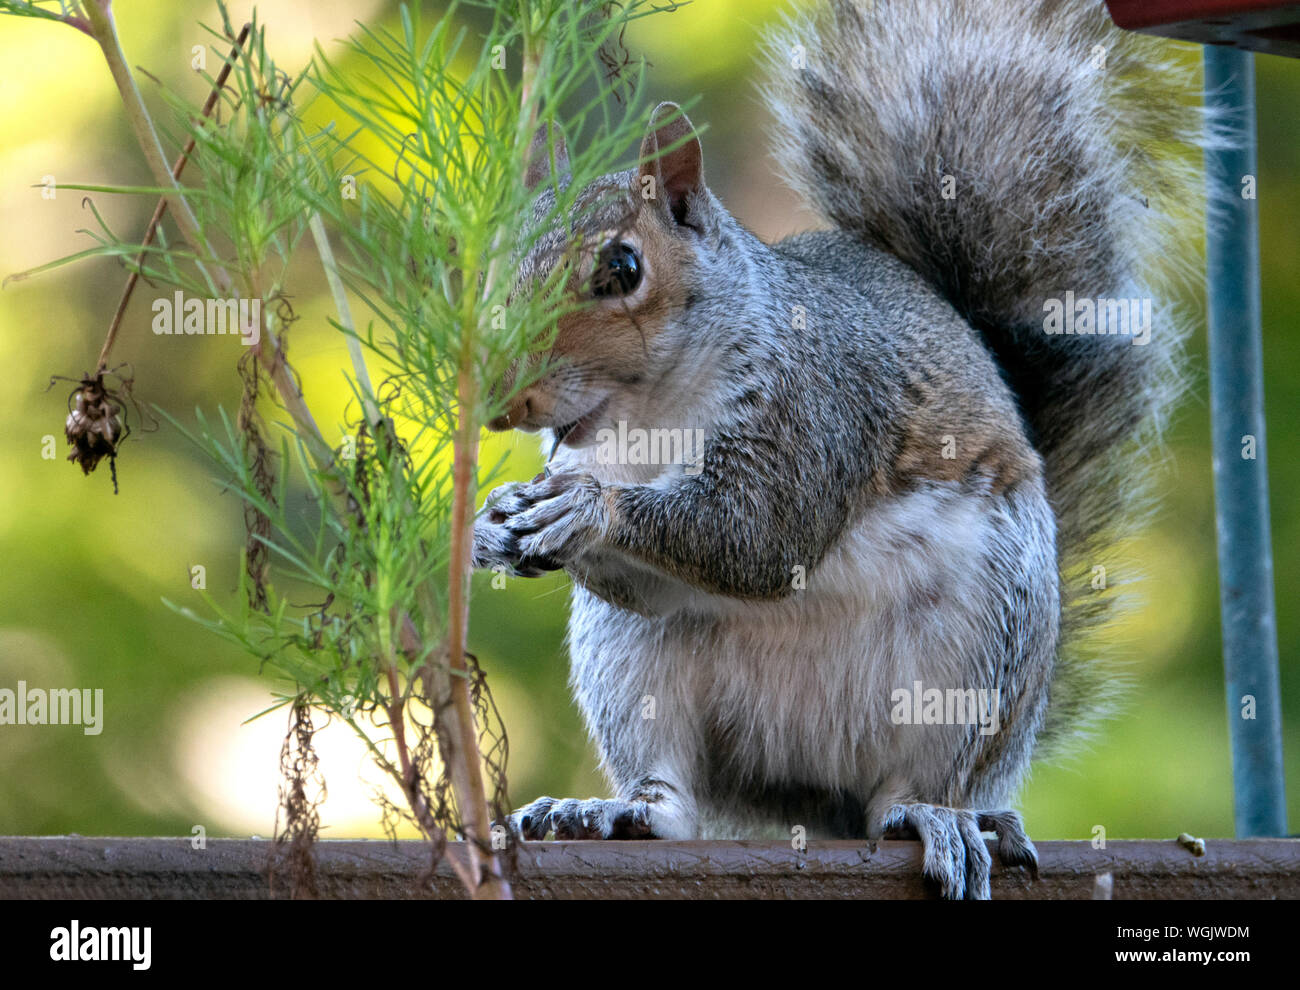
(95, 426)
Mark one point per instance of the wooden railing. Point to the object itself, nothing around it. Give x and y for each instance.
(77, 867)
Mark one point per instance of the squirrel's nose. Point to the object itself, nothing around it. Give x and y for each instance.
(517, 411)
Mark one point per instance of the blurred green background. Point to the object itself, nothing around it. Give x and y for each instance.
(82, 572)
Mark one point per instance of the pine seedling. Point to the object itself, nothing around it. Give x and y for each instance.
(413, 201)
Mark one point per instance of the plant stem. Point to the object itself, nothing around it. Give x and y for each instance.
(322, 240)
(471, 797)
(410, 784)
(467, 780)
(105, 32)
(152, 230)
(277, 369)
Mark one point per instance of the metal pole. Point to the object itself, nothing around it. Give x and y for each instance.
(1240, 465)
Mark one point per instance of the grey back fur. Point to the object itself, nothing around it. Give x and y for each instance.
(1072, 155)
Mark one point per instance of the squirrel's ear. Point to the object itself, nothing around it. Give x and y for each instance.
(678, 174)
(539, 157)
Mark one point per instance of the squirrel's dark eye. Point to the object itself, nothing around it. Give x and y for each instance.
(618, 271)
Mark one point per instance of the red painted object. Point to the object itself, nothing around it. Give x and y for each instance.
(1259, 25)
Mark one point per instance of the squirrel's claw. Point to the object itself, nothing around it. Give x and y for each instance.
(594, 818)
(955, 854)
(1014, 847)
(539, 526)
(508, 518)
(533, 821)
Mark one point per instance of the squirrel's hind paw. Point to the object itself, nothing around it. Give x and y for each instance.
(955, 855)
(594, 818)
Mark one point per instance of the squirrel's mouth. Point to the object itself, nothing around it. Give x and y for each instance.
(572, 434)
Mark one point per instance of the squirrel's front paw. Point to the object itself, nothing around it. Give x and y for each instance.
(541, 525)
(594, 818)
(955, 856)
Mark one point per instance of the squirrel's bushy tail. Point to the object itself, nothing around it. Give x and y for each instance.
(1014, 151)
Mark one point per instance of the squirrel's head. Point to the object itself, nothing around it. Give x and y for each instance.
(638, 249)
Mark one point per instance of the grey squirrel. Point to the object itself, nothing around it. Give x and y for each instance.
(865, 606)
